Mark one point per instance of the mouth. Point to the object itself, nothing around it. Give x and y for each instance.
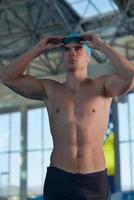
(73, 59)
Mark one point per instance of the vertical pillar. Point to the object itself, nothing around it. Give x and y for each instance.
(23, 168)
(117, 180)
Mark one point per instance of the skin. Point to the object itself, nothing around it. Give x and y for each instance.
(78, 108)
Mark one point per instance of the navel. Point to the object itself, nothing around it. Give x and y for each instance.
(78, 154)
(93, 110)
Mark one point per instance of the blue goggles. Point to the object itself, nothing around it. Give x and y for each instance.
(76, 38)
(72, 39)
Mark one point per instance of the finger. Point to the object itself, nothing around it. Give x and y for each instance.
(87, 37)
(52, 46)
(54, 40)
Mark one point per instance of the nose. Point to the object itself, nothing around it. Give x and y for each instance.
(72, 51)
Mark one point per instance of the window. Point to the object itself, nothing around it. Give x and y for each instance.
(86, 8)
(9, 153)
(126, 142)
(39, 149)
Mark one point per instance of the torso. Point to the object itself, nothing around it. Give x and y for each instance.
(78, 122)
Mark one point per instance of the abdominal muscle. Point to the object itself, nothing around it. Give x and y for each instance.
(78, 157)
(77, 160)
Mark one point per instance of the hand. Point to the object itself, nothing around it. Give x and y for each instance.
(94, 41)
(50, 43)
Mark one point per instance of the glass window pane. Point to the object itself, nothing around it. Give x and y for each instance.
(95, 7)
(106, 6)
(4, 174)
(34, 128)
(4, 163)
(47, 134)
(15, 173)
(15, 130)
(132, 167)
(88, 10)
(80, 7)
(125, 167)
(123, 122)
(131, 110)
(47, 155)
(9, 168)
(4, 183)
(34, 177)
(4, 132)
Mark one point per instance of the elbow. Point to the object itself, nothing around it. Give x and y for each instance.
(7, 79)
(4, 80)
(3, 77)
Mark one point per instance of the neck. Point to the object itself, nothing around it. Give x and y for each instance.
(75, 77)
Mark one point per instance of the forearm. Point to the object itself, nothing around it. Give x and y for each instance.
(122, 66)
(16, 68)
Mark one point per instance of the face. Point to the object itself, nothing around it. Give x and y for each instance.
(75, 56)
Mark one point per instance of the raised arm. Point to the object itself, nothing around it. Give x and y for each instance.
(13, 75)
(123, 79)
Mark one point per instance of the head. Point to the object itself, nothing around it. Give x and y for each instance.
(76, 51)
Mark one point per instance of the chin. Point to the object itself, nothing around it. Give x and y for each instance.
(72, 66)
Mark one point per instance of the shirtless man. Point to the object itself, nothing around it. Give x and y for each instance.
(78, 112)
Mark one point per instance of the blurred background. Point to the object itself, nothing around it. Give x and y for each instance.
(25, 138)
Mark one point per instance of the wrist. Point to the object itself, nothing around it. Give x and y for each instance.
(36, 50)
(105, 47)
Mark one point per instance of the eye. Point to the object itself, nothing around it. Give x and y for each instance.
(78, 48)
(66, 49)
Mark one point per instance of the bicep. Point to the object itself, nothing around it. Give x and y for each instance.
(28, 87)
(114, 85)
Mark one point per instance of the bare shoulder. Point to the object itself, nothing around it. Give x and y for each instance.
(51, 86)
(99, 84)
(102, 78)
(50, 82)
(98, 81)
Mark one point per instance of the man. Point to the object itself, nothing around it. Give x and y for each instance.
(78, 112)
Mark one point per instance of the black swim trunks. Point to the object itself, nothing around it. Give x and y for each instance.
(62, 185)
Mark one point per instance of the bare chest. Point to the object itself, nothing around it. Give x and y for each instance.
(79, 105)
